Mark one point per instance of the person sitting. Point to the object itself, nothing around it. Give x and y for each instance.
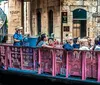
(18, 37)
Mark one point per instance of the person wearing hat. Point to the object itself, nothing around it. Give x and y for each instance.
(18, 36)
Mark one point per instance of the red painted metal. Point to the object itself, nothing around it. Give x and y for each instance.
(55, 61)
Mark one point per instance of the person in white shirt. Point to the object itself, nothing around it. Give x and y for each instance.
(84, 44)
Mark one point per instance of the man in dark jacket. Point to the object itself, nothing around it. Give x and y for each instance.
(67, 46)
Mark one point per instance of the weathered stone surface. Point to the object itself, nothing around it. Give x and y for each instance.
(46, 6)
(14, 14)
(57, 6)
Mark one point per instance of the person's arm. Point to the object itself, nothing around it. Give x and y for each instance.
(44, 45)
(15, 38)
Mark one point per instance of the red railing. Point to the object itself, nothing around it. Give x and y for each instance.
(54, 61)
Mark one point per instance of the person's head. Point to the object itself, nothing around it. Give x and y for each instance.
(89, 40)
(50, 40)
(69, 40)
(44, 37)
(96, 41)
(84, 42)
(19, 29)
(75, 40)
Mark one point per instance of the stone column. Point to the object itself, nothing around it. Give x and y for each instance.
(44, 17)
(14, 19)
(27, 17)
(34, 23)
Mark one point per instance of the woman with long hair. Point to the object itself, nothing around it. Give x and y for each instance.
(41, 42)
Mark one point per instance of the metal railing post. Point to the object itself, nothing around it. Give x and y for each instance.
(98, 67)
(83, 65)
(39, 55)
(6, 58)
(67, 64)
(21, 57)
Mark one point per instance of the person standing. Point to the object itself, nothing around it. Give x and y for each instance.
(18, 36)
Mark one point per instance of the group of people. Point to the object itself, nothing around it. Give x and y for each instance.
(69, 44)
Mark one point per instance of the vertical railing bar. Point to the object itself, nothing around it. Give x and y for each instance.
(10, 59)
(84, 65)
(0, 57)
(98, 67)
(67, 64)
(53, 63)
(21, 57)
(34, 60)
(6, 57)
(39, 55)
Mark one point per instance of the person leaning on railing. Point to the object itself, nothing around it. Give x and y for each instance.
(41, 42)
(76, 43)
(18, 36)
(67, 46)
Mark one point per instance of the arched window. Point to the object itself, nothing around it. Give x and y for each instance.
(50, 22)
(38, 22)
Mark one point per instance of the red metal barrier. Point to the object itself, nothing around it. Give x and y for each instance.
(46, 60)
(75, 63)
(55, 61)
(3, 56)
(60, 64)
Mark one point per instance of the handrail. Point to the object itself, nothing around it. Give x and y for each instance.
(55, 61)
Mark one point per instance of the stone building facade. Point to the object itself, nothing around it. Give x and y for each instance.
(46, 17)
(80, 20)
(81, 25)
(75, 18)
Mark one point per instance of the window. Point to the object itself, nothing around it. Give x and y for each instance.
(38, 22)
(76, 28)
(50, 22)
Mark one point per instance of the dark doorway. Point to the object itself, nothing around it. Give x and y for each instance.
(38, 22)
(50, 22)
(79, 23)
(83, 28)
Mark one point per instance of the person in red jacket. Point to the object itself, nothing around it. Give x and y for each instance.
(50, 42)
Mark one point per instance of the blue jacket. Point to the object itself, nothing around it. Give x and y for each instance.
(18, 37)
(76, 45)
(67, 47)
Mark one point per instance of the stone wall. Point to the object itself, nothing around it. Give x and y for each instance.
(15, 15)
(89, 6)
(57, 6)
(45, 6)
